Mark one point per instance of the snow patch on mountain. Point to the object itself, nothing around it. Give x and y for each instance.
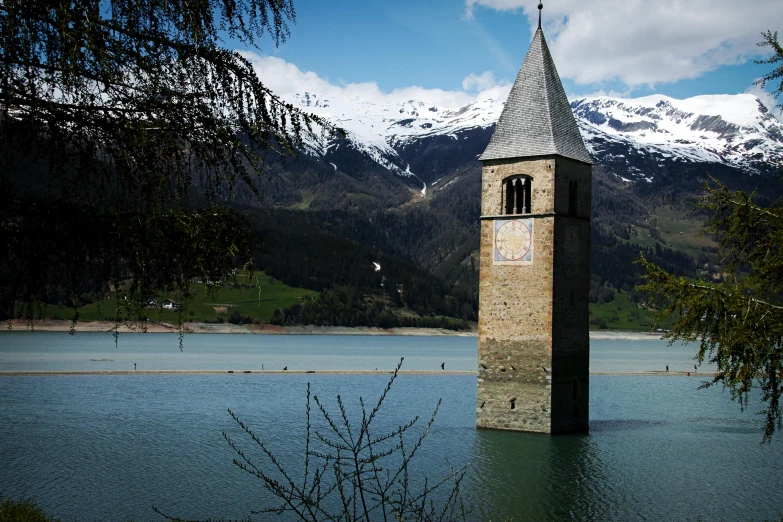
(736, 130)
(377, 130)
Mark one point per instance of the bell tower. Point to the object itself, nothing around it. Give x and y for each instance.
(533, 372)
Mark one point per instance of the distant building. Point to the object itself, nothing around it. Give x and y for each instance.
(168, 304)
(534, 281)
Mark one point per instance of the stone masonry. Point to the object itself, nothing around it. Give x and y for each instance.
(533, 319)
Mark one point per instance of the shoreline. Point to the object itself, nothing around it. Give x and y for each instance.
(307, 372)
(233, 372)
(61, 325)
(267, 329)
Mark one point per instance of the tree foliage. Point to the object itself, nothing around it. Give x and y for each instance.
(771, 40)
(345, 306)
(738, 323)
(125, 127)
(22, 510)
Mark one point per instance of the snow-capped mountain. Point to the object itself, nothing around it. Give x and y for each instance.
(381, 130)
(633, 138)
(735, 130)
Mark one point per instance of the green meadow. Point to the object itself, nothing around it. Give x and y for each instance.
(260, 295)
(257, 299)
(622, 314)
(680, 229)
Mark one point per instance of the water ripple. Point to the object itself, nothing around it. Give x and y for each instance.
(107, 448)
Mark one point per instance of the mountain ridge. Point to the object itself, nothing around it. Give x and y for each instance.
(732, 130)
(405, 182)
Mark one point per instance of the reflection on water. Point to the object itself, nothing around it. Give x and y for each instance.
(110, 447)
(615, 425)
(535, 477)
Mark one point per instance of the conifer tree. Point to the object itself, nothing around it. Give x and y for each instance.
(738, 323)
(771, 40)
(126, 127)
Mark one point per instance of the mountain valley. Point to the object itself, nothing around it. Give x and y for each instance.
(403, 184)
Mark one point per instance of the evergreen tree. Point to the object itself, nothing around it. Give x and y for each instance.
(125, 127)
(738, 321)
(771, 40)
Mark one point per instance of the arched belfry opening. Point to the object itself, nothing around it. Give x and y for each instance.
(516, 194)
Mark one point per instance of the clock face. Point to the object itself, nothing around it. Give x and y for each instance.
(513, 241)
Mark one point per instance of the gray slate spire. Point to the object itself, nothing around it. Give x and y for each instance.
(537, 119)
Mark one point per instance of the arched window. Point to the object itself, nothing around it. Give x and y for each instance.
(572, 198)
(516, 195)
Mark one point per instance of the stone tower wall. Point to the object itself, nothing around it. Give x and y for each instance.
(543, 186)
(524, 357)
(570, 341)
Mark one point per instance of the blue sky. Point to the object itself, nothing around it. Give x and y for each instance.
(625, 48)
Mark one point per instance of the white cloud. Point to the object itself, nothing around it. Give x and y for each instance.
(480, 83)
(647, 42)
(286, 79)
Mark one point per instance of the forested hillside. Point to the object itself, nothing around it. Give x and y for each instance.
(428, 245)
(384, 247)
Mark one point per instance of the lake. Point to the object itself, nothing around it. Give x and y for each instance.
(97, 447)
(55, 351)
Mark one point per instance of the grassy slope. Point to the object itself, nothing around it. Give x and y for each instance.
(622, 314)
(679, 228)
(274, 294)
(682, 230)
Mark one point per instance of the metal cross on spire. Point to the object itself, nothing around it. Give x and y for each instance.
(540, 7)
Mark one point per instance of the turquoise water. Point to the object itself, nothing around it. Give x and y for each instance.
(90, 447)
(53, 351)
